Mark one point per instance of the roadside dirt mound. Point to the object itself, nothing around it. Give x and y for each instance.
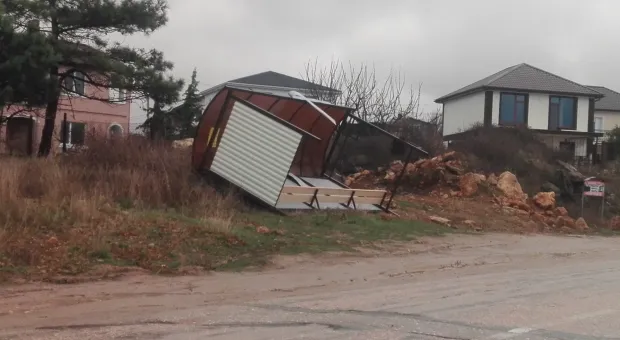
(500, 202)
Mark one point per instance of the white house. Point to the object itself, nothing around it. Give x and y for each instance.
(273, 83)
(561, 110)
(606, 110)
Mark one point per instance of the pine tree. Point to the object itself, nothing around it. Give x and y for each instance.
(186, 116)
(25, 58)
(78, 32)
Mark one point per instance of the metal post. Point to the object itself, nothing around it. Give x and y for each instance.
(339, 129)
(65, 133)
(400, 177)
(347, 134)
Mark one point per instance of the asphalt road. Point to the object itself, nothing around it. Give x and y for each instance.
(491, 287)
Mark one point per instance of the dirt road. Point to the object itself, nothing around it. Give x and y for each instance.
(457, 287)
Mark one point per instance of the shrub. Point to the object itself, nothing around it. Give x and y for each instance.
(519, 150)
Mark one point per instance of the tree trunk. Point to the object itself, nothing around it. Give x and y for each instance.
(53, 94)
(50, 114)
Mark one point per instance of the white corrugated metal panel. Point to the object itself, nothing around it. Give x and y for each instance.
(255, 153)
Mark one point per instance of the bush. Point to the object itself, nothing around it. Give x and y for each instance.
(492, 149)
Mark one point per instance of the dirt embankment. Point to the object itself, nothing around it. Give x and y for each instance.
(443, 190)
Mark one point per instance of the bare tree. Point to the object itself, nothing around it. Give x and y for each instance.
(381, 102)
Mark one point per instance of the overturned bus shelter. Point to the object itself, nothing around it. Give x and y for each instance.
(284, 150)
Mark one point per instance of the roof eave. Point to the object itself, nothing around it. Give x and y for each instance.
(443, 99)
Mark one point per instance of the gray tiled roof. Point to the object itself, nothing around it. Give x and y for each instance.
(527, 78)
(611, 101)
(271, 78)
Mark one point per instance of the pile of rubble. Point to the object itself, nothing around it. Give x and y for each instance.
(448, 172)
(541, 208)
(422, 174)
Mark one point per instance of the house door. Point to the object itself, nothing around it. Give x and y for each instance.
(568, 147)
(19, 135)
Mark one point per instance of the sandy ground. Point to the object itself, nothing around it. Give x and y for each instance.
(456, 287)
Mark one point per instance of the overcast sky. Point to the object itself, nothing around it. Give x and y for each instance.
(443, 44)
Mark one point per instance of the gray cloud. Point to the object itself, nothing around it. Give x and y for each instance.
(442, 44)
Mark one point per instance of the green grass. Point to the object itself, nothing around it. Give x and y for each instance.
(166, 241)
(315, 233)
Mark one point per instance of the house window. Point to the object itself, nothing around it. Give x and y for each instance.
(512, 109)
(73, 134)
(117, 96)
(115, 131)
(74, 83)
(562, 113)
(598, 124)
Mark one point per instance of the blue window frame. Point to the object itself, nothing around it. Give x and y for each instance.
(562, 113)
(512, 109)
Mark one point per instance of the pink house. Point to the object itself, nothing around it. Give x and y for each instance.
(21, 134)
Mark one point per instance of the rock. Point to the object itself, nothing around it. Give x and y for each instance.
(52, 241)
(454, 169)
(550, 213)
(581, 224)
(565, 221)
(449, 156)
(545, 200)
(511, 211)
(468, 184)
(492, 179)
(538, 217)
(550, 221)
(614, 224)
(397, 166)
(573, 174)
(469, 223)
(510, 186)
(518, 205)
(262, 230)
(390, 176)
(550, 187)
(561, 211)
(440, 220)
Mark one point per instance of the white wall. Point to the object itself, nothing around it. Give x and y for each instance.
(538, 111)
(610, 119)
(553, 141)
(461, 113)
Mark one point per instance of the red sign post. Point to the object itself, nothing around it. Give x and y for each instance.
(594, 187)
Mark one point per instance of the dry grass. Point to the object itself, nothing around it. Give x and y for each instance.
(121, 200)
